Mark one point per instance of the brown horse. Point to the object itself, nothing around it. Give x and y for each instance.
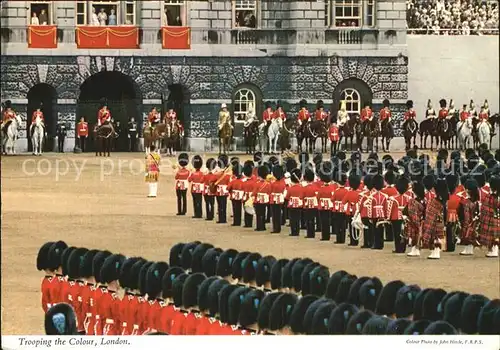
(428, 127)
(103, 136)
(171, 137)
(387, 134)
(302, 135)
(225, 137)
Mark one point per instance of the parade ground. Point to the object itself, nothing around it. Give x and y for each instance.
(101, 203)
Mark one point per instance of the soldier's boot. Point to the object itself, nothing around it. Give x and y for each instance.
(468, 250)
(414, 252)
(435, 254)
(493, 253)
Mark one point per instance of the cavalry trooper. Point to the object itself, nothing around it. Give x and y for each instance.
(443, 112)
(464, 114)
(83, 133)
(484, 114)
(153, 117)
(267, 116)
(132, 134)
(366, 113)
(430, 112)
(224, 117)
(320, 113)
(36, 114)
(104, 114)
(304, 114)
(451, 109)
(342, 115)
(279, 112)
(472, 109)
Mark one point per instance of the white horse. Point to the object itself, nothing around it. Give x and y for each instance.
(464, 133)
(273, 134)
(484, 132)
(37, 136)
(9, 136)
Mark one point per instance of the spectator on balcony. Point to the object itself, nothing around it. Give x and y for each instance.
(94, 20)
(103, 17)
(168, 19)
(112, 18)
(43, 19)
(34, 20)
(246, 19)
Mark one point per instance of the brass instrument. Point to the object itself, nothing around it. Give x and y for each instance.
(212, 186)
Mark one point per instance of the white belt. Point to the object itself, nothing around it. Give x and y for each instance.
(262, 197)
(88, 314)
(278, 197)
(80, 299)
(97, 317)
(296, 201)
(238, 194)
(110, 321)
(136, 326)
(198, 187)
(182, 184)
(70, 297)
(124, 324)
(311, 201)
(326, 203)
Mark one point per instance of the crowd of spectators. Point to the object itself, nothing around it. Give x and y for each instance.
(453, 17)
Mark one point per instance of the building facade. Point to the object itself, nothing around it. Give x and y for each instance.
(198, 55)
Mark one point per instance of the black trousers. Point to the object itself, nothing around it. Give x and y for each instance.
(268, 213)
(310, 217)
(260, 216)
(303, 224)
(276, 214)
(338, 222)
(450, 239)
(399, 242)
(325, 218)
(60, 143)
(389, 233)
(236, 212)
(181, 202)
(378, 235)
(367, 233)
(294, 221)
(222, 209)
(353, 233)
(81, 142)
(132, 143)
(318, 222)
(284, 215)
(197, 205)
(209, 206)
(248, 220)
(333, 148)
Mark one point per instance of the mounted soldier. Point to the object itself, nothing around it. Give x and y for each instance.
(464, 113)
(451, 110)
(8, 115)
(250, 129)
(342, 115)
(153, 118)
(37, 114)
(267, 116)
(430, 112)
(387, 130)
(225, 128)
(484, 115)
(104, 116)
(472, 109)
(304, 114)
(279, 112)
(320, 113)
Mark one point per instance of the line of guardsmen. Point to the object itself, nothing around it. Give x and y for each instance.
(408, 202)
(204, 290)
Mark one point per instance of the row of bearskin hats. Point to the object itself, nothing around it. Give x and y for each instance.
(277, 295)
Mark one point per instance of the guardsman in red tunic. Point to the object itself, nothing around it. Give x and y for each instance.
(304, 114)
(261, 196)
(377, 212)
(452, 221)
(363, 207)
(55, 264)
(43, 264)
(236, 194)
(128, 303)
(104, 115)
(295, 198)
(464, 114)
(469, 214)
(83, 133)
(221, 182)
(489, 228)
(76, 285)
(154, 277)
(8, 114)
(333, 135)
(391, 191)
(349, 205)
(395, 207)
(410, 113)
(153, 117)
(182, 183)
(325, 201)
(190, 303)
(443, 112)
(179, 315)
(310, 202)
(167, 311)
(97, 308)
(277, 198)
(87, 291)
(267, 115)
(38, 114)
(366, 113)
(110, 274)
(435, 220)
(197, 187)
(279, 112)
(209, 188)
(320, 113)
(338, 212)
(248, 186)
(385, 113)
(65, 292)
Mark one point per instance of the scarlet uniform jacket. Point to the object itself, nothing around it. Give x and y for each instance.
(365, 201)
(100, 310)
(267, 115)
(350, 201)
(235, 189)
(410, 114)
(207, 180)
(443, 113)
(167, 313)
(321, 115)
(49, 289)
(262, 192)
(279, 114)
(223, 180)
(278, 192)
(390, 190)
(377, 206)
(248, 186)
(338, 198)
(295, 196)
(333, 133)
(89, 305)
(453, 207)
(396, 205)
(464, 115)
(110, 313)
(128, 313)
(35, 115)
(83, 129)
(310, 192)
(196, 179)
(385, 113)
(304, 115)
(325, 194)
(182, 179)
(366, 114)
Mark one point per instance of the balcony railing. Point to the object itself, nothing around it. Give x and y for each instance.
(430, 31)
(153, 36)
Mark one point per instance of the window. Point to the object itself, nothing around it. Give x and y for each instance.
(352, 100)
(174, 13)
(105, 13)
(244, 100)
(245, 13)
(40, 13)
(349, 13)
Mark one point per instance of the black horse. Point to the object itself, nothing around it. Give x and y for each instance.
(250, 134)
(371, 130)
(428, 127)
(387, 134)
(317, 129)
(445, 132)
(103, 136)
(302, 135)
(347, 131)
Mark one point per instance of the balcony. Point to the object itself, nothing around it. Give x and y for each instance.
(200, 36)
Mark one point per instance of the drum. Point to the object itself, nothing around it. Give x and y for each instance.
(248, 206)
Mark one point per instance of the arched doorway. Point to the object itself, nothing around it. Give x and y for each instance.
(355, 92)
(245, 96)
(123, 98)
(43, 96)
(178, 96)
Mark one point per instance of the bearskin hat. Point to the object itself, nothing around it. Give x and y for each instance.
(442, 154)
(452, 182)
(211, 164)
(287, 274)
(258, 157)
(278, 172)
(376, 325)
(263, 171)
(143, 272)
(321, 317)
(405, 300)
(495, 183)
(303, 104)
(386, 103)
(202, 298)
(183, 159)
(86, 263)
(431, 302)
(134, 278)
(354, 181)
(486, 321)
(263, 314)
(73, 263)
(339, 318)
(7, 104)
(290, 164)
(154, 279)
(366, 104)
(397, 327)
(167, 280)
(344, 288)
(320, 104)
(419, 301)
(402, 184)
(443, 302)
(213, 295)
(298, 312)
(190, 290)
(353, 297)
(378, 182)
(209, 261)
(237, 267)
(249, 309)
(442, 189)
(440, 328)
(296, 273)
(223, 160)
(263, 270)
(333, 284)
(197, 257)
(178, 288)
(125, 269)
(442, 103)
(232, 313)
(318, 280)
(279, 104)
(325, 170)
(60, 319)
(268, 104)
(97, 264)
(308, 317)
(225, 263)
(249, 266)
(418, 189)
(197, 162)
(429, 182)
(281, 311)
(471, 309)
(276, 273)
(176, 254)
(42, 259)
(305, 278)
(187, 254)
(110, 270)
(55, 254)
(390, 177)
(369, 293)
(409, 104)
(417, 327)
(357, 322)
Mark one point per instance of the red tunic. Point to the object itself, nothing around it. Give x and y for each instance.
(390, 190)
(453, 206)
(338, 198)
(35, 115)
(350, 201)
(279, 114)
(104, 115)
(182, 179)
(304, 115)
(89, 307)
(325, 195)
(46, 288)
(385, 113)
(248, 187)
(100, 309)
(167, 314)
(142, 316)
(333, 133)
(396, 205)
(152, 117)
(177, 325)
(83, 129)
(196, 179)
(235, 189)
(204, 326)
(129, 314)
(464, 115)
(410, 114)
(278, 192)
(365, 202)
(111, 319)
(443, 113)
(153, 316)
(320, 115)
(366, 114)
(377, 206)
(8, 115)
(310, 192)
(191, 323)
(489, 228)
(207, 180)
(267, 115)
(295, 196)
(262, 192)
(483, 116)
(223, 180)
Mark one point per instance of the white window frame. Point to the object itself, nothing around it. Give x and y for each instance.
(50, 11)
(365, 19)
(183, 10)
(126, 13)
(119, 6)
(351, 96)
(244, 97)
(85, 13)
(246, 5)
